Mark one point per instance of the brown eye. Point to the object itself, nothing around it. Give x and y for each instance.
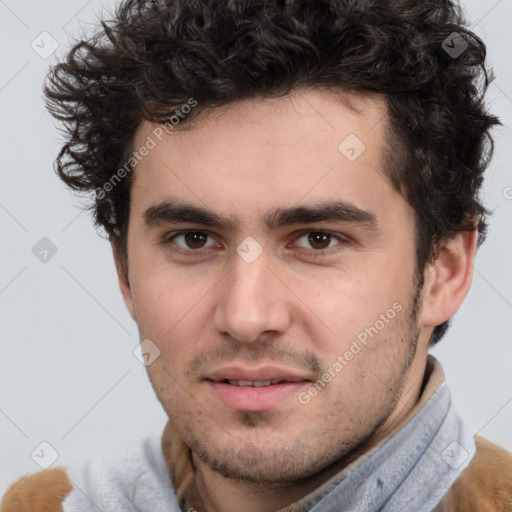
(314, 244)
(194, 239)
(319, 240)
(190, 240)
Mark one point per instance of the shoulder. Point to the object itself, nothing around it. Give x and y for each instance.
(42, 491)
(134, 475)
(485, 485)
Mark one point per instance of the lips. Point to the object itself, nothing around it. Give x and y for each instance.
(236, 375)
(254, 389)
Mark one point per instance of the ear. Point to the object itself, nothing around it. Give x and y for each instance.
(122, 276)
(449, 278)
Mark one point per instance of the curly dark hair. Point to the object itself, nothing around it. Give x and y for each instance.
(154, 55)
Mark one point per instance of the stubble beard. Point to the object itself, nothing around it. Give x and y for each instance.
(282, 465)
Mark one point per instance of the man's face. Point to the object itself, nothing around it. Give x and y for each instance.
(275, 298)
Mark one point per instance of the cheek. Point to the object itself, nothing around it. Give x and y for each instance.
(345, 305)
(170, 313)
(161, 296)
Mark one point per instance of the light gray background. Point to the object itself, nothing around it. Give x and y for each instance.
(68, 375)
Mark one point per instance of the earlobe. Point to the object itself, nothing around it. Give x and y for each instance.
(122, 276)
(448, 280)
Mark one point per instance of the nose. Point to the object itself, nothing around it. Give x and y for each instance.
(252, 301)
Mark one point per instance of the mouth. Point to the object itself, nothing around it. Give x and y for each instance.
(253, 383)
(244, 389)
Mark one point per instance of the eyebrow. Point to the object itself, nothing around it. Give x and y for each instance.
(174, 211)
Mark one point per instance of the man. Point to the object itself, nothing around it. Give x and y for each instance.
(291, 194)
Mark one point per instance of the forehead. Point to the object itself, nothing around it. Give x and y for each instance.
(325, 113)
(257, 155)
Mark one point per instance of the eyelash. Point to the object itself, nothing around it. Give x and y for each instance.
(321, 252)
